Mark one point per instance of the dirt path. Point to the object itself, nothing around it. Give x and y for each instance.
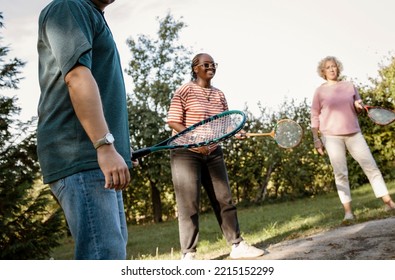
(373, 240)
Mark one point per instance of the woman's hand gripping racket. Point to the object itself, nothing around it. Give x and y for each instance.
(379, 115)
(211, 130)
(287, 133)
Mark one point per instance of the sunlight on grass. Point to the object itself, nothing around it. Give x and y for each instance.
(260, 226)
(271, 229)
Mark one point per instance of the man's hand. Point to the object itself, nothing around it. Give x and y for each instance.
(136, 161)
(114, 168)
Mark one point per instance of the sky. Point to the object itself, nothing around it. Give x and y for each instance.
(267, 50)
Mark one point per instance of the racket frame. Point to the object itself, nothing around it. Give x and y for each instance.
(273, 133)
(164, 145)
(368, 108)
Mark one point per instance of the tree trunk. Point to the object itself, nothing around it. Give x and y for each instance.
(262, 192)
(156, 204)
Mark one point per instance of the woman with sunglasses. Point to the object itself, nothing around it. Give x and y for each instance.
(191, 103)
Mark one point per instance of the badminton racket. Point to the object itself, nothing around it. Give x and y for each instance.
(379, 115)
(287, 133)
(211, 130)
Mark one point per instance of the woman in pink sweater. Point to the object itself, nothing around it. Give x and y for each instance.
(335, 126)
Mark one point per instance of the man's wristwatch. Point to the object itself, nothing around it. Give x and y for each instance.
(108, 139)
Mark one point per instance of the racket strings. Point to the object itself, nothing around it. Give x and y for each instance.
(381, 116)
(288, 134)
(210, 131)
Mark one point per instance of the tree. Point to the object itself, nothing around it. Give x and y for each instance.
(258, 168)
(9, 72)
(28, 228)
(381, 139)
(157, 67)
(261, 170)
(302, 171)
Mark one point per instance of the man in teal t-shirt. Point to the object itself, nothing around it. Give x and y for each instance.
(83, 133)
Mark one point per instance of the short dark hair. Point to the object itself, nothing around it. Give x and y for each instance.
(195, 62)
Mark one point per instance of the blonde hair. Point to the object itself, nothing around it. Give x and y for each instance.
(321, 66)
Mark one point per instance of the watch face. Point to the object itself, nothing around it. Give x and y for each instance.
(109, 138)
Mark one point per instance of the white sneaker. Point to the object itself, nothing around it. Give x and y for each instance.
(188, 256)
(245, 251)
(348, 217)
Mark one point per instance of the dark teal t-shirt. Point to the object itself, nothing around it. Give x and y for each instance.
(71, 32)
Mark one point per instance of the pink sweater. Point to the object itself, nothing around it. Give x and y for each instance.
(333, 111)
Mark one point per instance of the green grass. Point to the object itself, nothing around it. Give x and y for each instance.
(260, 225)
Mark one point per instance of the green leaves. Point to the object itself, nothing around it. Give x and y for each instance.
(158, 66)
(30, 221)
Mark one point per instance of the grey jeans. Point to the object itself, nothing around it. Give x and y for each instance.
(190, 171)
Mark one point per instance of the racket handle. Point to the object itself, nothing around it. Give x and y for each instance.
(259, 134)
(140, 153)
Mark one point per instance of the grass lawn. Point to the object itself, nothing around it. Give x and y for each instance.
(260, 226)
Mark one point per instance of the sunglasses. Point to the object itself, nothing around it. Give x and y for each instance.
(209, 65)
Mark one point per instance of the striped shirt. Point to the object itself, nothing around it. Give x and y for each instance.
(192, 103)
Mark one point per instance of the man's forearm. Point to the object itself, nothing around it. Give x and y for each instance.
(85, 97)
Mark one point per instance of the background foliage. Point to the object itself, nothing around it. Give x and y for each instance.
(157, 66)
(260, 172)
(29, 224)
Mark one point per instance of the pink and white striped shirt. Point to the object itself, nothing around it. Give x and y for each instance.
(192, 103)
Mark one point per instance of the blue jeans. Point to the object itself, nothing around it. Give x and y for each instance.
(190, 171)
(95, 215)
